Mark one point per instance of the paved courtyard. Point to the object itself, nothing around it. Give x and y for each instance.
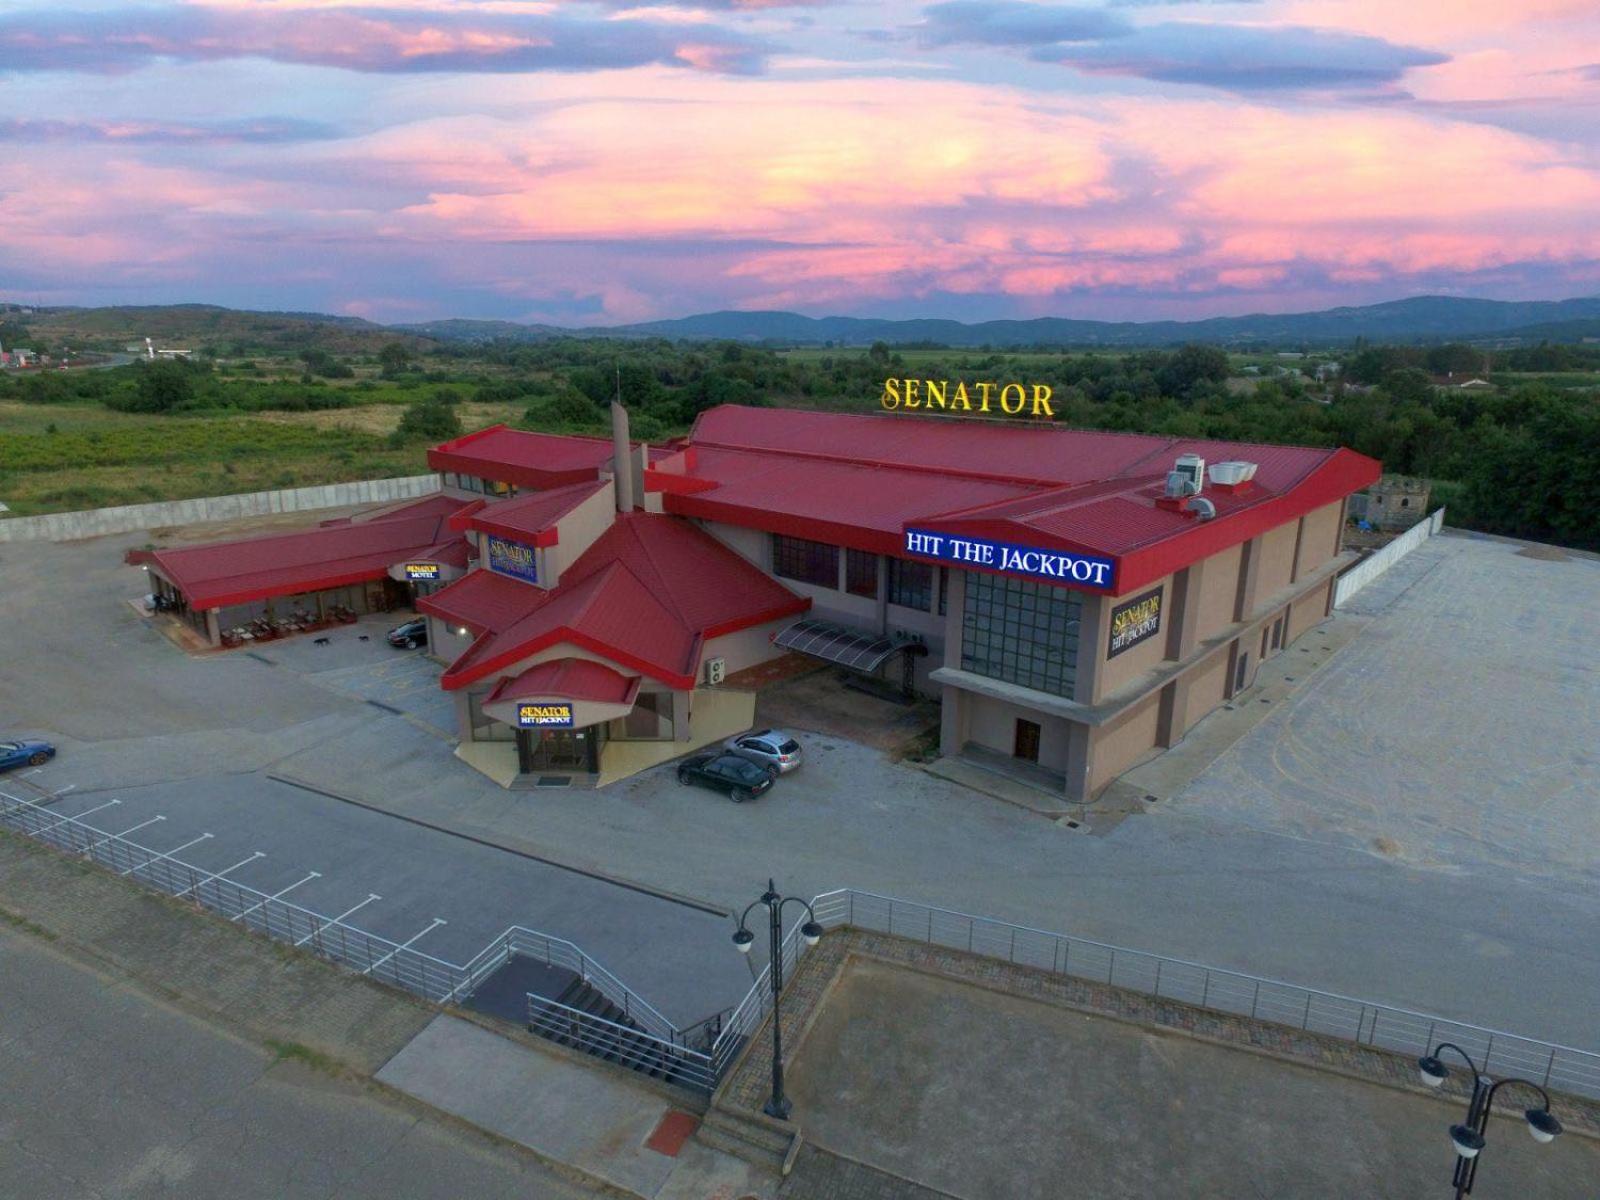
(106, 1093)
(1478, 904)
(982, 1095)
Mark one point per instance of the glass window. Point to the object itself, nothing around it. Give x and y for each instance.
(1022, 632)
(944, 589)
(649, 721)
(910, 584)
(807, 561)
(861, 573)
(484, 727)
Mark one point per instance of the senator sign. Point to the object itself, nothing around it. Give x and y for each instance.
(1133, 621)
(1051, 565)
(544, 716)
(512, 558)
(935, 396)
(419, 572)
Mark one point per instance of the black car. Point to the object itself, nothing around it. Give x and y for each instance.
(410, 635)
(741, 778)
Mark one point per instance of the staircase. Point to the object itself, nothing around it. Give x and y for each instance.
(582, 1018)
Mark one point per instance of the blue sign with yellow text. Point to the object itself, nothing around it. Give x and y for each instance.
(512, 558)
(1052, 566)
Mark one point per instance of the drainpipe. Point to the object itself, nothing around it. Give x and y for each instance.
(621, 458)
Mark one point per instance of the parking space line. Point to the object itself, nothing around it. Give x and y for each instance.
(371, 896)
(406, 945)
(276, 895)
(80, 816)
(123, 834)
(243, 862)
(166, 854)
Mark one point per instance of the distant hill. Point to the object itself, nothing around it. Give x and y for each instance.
(193, 325)
(1420, 318)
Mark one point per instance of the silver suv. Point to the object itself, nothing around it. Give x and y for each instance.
(772, 748)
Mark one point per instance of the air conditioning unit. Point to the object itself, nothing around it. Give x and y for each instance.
(1193, 468)
(716, 669)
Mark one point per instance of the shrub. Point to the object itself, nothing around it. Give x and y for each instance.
(427, 420)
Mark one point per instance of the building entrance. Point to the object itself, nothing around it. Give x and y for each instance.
(558, 750)
(1027, 742)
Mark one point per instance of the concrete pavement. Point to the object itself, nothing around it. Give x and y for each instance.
(106, 1092)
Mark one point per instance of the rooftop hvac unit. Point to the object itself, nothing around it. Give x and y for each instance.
(716, 669)
(1180, 485)
(1202, 508)
(1193, 468)
(1231, 474)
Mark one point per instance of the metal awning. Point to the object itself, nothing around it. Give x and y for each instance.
(851, 648)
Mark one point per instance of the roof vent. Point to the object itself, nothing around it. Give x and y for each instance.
(1232, 474)
(1202, 508)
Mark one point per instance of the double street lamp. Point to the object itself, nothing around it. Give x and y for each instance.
(778, 1105)
(1469, 1137)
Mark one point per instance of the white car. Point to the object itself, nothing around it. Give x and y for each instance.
(772, 748)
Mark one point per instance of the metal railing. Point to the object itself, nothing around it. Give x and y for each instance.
(1361, 1022)
(625, 1045)
(422, 974)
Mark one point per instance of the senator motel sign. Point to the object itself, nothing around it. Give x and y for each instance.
(935, 396)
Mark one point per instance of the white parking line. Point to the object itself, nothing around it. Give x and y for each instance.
(78, 816)
(243, 862)
(110, 836)
(406, 945)
(166, 854)
(371, 896)
(276, 895)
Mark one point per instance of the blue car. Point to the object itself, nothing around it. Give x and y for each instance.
(25, 754)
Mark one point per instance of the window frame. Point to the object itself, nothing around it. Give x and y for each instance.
(802, 561)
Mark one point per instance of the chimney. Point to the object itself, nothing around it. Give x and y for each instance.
(621, 458)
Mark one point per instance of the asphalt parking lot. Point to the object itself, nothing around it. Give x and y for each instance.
(1492, 924)
(442, 895)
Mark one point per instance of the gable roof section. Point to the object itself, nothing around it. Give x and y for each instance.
(646, 595)
(532, 517)
(286, 564)
(570, 679)
(860, 480)
(516, 456)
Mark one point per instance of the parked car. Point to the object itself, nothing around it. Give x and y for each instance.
(770, 747)
(27, 753)
(410, 635)
(741, 778)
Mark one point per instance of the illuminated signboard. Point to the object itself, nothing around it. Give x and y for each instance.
(544, 716)
(934, 396)
(1054, 566)
(512, 558)
(418, 572)
(1133, 621)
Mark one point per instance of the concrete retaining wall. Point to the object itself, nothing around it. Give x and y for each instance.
(1374, 565)
(126, 518)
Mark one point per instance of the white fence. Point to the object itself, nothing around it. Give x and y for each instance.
(1374, 565)
(128, 517)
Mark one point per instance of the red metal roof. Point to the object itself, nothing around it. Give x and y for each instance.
(531, 517)
(860, 480)
(569, 679)
(286, 564)
(647, 595)
(516, 456)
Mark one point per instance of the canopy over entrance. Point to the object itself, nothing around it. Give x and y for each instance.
(852, 648)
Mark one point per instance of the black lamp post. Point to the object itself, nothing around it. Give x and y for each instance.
(1470, 1136)
(811, 931)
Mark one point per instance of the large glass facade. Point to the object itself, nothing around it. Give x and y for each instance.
(807, 561)
(1022, 632)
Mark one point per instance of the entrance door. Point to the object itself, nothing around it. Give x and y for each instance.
(1027, 743)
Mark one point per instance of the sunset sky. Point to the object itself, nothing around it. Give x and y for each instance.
(584, 163)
